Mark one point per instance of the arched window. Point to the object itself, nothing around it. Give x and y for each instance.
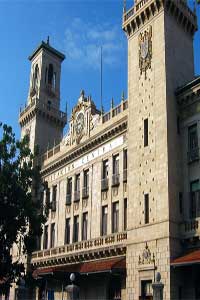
(50, 74)
(35, 77)
(54, 80)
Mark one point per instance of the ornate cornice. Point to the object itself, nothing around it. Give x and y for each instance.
(101, 247)
(188, 100)
(36, 108)
(144, 10)
(100, 138)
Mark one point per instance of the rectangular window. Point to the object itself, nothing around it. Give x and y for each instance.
(125, 213)
(77, 182)
(69, 191)
(193, 149)
(104, 182)
(104, 220)
(115, 176)
(52, 235)
(67, 231)
(84, 226)
(192, 137)
(105, 169)
(115, 217)
(77, 188)
(86, 178)
(54, 193)
(146, 208)
(146, 288)
(76, 229)
(45, 237)
(54, 197)
(116, 164)
(195, 199)
(85, 184)
(146, 133)
(125, 165)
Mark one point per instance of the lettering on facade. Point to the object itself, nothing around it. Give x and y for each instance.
(88, 158)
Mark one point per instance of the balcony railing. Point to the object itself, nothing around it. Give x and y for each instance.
(193, 154)
(85, 192)
(115, 180)
(45, 107)
(104, 184)
(115, 111)
(190, 228)
(68, 199)
(125, 175)
(76, 196)
(100, 242)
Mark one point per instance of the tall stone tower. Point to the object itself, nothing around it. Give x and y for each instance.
(41, 118)
(160, 59)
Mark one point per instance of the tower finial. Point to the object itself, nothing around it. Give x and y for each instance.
(123, 97)
(48, 40)
(112, 103)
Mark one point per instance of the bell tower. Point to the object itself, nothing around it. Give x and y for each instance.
(160, 59)
(41, 118)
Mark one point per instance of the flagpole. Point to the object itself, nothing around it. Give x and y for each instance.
(101, 84)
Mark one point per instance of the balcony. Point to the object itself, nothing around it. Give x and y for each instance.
(76, 196)
(190, 228)
(193, 155)
(125, 175)
(85, 192)
(104, 184)
(68, 199)
(115, 180)
(117, 241)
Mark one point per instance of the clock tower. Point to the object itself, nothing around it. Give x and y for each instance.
(41, 118)
(160, 59)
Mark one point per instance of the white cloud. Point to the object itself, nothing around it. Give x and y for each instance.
(83, 40)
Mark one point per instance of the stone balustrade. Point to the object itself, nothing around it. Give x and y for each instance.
(190, 228)
(93, 244)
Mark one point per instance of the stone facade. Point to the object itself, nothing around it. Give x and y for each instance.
(116, 222)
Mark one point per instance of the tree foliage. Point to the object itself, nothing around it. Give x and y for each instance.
(21, 210)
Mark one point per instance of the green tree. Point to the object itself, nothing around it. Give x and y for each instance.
(21, 210)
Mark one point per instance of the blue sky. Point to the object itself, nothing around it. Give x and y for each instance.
(77, 28)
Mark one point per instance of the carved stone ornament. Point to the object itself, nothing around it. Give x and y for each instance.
(145, 50)
(147, 257)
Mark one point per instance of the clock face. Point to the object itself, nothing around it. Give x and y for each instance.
(79, 123)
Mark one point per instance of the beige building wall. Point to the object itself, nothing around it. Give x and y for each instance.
(155, 169)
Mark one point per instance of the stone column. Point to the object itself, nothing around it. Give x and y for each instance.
(158, 287)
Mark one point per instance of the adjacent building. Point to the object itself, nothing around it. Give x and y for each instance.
(123, 186)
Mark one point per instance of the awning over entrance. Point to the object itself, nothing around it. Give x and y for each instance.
(107, 265)
(97, 266)
(187, 259)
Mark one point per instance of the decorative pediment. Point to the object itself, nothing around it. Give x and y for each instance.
(84, 118)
